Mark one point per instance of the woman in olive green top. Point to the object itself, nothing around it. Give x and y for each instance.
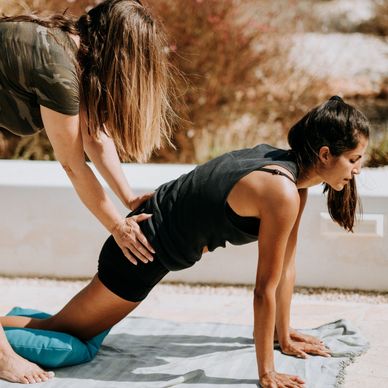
(97, 85)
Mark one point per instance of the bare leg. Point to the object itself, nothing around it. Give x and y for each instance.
(15, 368)
(90, 312)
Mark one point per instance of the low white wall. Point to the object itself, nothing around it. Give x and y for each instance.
(46, 231)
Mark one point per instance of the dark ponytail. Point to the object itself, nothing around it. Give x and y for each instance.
(338, 126)
(342, 204)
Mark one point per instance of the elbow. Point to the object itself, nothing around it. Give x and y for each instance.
(289, 275)
(91, 144)
(264, 293)
(73, 169)
(264, 301)
(69, 169)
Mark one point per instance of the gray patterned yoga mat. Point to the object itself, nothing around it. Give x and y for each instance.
(143, 352)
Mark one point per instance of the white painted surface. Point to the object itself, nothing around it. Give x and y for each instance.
(46, 231)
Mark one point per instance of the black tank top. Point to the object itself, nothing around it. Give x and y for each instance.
(191, 212)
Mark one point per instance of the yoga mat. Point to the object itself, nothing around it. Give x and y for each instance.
(143, 352)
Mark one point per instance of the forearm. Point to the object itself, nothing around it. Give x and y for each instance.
(94, 196)
(264, 307)
(104, 156)
(283, 304)
(69, 151)
(286, 287)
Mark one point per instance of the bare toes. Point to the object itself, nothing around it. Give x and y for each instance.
(38, 378)
(24, 380)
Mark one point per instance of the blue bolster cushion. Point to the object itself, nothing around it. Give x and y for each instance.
(50, 349)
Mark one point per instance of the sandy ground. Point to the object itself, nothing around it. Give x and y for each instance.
(369, 311)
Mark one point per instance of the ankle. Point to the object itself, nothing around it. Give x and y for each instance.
(6, 352)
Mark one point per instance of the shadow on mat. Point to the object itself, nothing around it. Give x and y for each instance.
(121, 356)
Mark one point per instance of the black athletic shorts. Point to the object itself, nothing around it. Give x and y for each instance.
(129, 281)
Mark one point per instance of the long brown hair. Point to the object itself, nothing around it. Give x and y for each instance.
(124, 75)
(338, 126)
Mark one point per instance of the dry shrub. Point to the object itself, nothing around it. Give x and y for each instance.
(235, 86)
(239, 88)
(214, 48)
(378, 25)
(378, 152)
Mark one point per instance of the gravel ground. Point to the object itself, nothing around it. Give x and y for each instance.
(300, 293)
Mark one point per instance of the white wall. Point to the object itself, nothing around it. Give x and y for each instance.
(46, 231)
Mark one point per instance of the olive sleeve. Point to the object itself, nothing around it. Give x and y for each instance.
(55, 82)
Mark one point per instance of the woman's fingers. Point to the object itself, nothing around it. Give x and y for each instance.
(137, 201)
(279, 380)
(297, 379)
(303, 349)
(291, 385)
(141, 253)
(141, 217)
(294, 349)
(139, 246)
(128, 255)
(318, 350)
(297, 336)
(133, 254)
(132, 241)
(312, 345)
(301, 354)
(140, 236)
(146, 244)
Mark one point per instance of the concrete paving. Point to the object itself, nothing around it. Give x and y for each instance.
(234, 305)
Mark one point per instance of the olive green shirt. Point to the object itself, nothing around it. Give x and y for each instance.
(37, 67)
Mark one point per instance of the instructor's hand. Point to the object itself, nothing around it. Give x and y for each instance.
(131, 240)
(135, 202)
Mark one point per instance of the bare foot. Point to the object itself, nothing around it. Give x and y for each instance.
(16, 369)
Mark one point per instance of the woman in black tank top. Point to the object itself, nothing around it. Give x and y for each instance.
(245, 195)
